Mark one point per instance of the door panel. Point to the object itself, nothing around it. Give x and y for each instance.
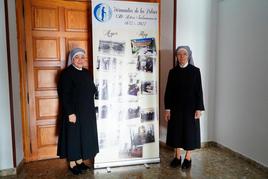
(72, 22)
(45, 18)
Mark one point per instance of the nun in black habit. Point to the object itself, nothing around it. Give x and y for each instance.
(183, 104)
(78, 139)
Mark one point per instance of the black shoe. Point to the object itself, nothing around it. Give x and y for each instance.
(83, 167)
(175, 162)
(186, 164)
(75, 170)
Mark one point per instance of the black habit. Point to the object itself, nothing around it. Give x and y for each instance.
(76, 93)
(183, 96)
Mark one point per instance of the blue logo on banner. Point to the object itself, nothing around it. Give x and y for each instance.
(102, 12)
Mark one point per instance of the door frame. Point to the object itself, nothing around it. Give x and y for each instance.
(24, 96)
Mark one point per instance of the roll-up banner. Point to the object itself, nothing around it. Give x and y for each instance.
(125, 61)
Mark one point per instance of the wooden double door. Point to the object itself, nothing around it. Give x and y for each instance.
(52, 28)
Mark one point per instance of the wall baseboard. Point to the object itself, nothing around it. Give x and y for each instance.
(7, 172)
(239, 156)
(12, 171)
(226, 149)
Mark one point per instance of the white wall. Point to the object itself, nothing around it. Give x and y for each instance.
(242, 83)
(166, 57)
(196, 27)
(6, 158)
(15, 80)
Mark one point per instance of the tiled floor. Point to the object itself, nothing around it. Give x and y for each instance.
(211, 162)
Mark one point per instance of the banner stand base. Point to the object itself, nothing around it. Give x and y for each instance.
(108, 169)
(146, 166)
(108, 165)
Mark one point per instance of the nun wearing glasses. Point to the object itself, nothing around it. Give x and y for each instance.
(78, 140)
(184, 105)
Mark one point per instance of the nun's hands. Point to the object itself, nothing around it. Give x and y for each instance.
(72, 118)
(167, 115)
(197, 114)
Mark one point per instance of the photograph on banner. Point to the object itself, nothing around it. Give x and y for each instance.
(143, 46)
(126, 148)
(103, 111)
(130, 151)
(133, 112)
(117, 88)
(110, 86)
(147, 114)
(146, 63)
(110, 139)
(133, 84)
(139, 136)
(142, 134)
(108, 63)
(111, 47)
(103, 89)
(148, 87)
(109, 121)
(102, 139)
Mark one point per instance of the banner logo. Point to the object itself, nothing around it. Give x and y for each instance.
(102, 12)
